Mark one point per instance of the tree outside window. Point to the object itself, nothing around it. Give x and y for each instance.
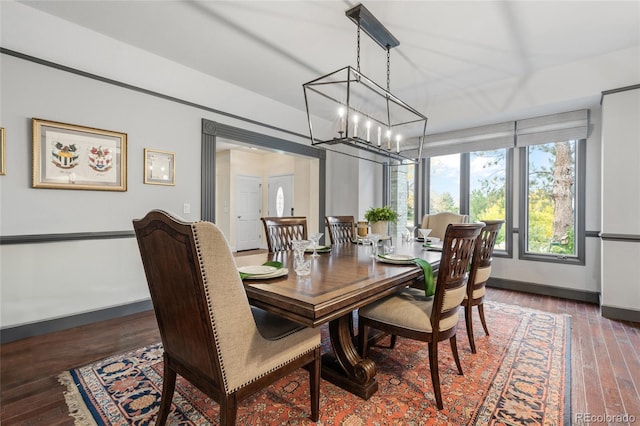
(551, 198)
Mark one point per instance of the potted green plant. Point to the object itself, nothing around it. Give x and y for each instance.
(379, 218)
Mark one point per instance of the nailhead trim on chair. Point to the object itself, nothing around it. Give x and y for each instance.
(215, 328)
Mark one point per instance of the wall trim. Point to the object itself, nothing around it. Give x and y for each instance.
(76, 71)
(620, 313)
(618, 90)
(11, 334)
(545, 290)
(71, 236)
(629, 238)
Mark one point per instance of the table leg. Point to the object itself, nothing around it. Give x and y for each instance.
(347, 369)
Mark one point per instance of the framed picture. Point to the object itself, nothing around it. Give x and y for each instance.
(159, 167)
(2, 152)
(67, 156)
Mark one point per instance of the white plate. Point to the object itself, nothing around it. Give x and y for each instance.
(434, 247)
(257, 269)
(397, 259)
(278, 273)
(397, 256)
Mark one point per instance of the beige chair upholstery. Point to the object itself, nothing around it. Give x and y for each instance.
(438, 222)
(342, 229)
(408, 313)
(478, 276)
(280, 231)
(211, 335)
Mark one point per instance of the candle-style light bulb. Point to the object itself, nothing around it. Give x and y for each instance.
(368, 125)
(389, 139)
(355, 126)
(379, 135)
(341, 120)
(398, 144)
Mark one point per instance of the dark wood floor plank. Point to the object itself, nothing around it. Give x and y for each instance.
(603, 381)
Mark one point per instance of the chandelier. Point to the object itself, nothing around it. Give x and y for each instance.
(347, 107)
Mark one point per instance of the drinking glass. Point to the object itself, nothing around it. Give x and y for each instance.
(374, 238)
(298, 248)
(302, 266)
(412, 230)
(315, 237)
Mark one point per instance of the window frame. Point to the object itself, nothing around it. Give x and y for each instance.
(465, 194)
(580, 203)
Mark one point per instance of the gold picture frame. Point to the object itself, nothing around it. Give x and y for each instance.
(68, 156)
(159, 167)
(2, 152)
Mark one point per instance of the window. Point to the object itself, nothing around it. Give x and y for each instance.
(444, 184)
(552, 205)
(488, 189)
(476, 183)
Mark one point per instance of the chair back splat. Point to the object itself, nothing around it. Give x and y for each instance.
(342, 229)
(281, 230)
(211, 335)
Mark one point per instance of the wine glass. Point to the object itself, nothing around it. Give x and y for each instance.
(425, 233)
(315, 237)
(411, 229)
(374, 238)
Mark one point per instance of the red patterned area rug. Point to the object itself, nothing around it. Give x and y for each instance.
(520, 375)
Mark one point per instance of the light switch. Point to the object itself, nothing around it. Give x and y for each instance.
(186, 208)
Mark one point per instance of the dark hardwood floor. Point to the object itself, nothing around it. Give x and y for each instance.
(605, 362)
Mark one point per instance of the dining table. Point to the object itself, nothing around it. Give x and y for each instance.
(343, 278)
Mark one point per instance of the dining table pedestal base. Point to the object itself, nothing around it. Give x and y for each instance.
(345, 367)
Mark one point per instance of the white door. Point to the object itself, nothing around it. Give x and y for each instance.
(280, 203)
(248, 212)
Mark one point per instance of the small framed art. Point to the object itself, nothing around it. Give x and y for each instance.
(68, 156)
(159, 167)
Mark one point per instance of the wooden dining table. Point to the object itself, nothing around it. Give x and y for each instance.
(340, 282)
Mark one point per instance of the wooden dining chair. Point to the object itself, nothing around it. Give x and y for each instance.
(409, 313)
(281, 230)
(210, 334)
(438, 222)
(342, 229)
(478, 276)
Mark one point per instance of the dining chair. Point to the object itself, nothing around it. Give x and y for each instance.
(438, 222)
(210, 334)
(342, 229)
(281, 230)
(409, 313)
(478, 276)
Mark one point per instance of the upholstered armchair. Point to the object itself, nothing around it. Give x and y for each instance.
(211, 335)
(438, 222)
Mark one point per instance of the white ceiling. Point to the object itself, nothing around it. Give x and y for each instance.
(448, 49)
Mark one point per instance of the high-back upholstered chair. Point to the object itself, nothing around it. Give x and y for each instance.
(478, 276)
(342, 229)
(281, 230)
(209, 334)
(438, 222)
(408, 313)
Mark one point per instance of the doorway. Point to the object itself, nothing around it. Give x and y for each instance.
(248, 212)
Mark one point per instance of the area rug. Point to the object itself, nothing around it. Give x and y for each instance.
(520, 375)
